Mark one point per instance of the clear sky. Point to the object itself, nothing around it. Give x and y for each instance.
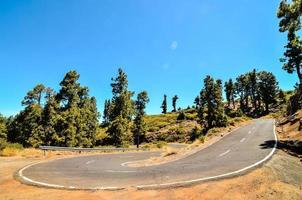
(165, 47)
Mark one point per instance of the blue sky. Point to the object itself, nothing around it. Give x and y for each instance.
(165, 47)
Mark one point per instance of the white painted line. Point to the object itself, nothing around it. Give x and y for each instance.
(106, 188)
(20, 173)
(242, 140)
(249, 132)
(225, 153)
(113, 171)
(89, 162)
(126, 163)
(214, 177)
(126, 156)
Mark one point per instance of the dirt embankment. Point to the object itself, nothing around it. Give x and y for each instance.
(290, 137)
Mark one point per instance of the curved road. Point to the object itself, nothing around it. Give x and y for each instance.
(237, 152)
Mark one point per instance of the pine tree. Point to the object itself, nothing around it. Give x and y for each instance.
(174, 100)
(197, 102)
(122, 110)
(164, 105)
(242, 90)
(50, 117)
(106, 112)
(229, 89)
(253, 82)
(281, 96)
(268, 88)
(25, 127)
(78, 113)
(290, 13)
(139, 126)
(34, 96)
(211, 98)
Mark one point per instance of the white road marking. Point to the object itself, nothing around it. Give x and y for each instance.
(126, 156)
(250, 132)
(254, 127)
(113, 171)
(89, 162)
(223, 154)
(242, 140)
(126, 163)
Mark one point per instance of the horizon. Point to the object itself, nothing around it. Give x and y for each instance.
(164, 47)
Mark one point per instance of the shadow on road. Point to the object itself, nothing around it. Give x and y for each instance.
(292, 147)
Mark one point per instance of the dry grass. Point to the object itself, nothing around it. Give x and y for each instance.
(9, 151)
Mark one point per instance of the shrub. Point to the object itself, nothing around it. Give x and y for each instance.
(3, 144)
(10, 149)
(233, 113)
(195, 133)
(160, 144)
(202, 138)
(181, 116)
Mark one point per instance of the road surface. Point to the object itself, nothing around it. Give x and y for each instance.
(244, 149)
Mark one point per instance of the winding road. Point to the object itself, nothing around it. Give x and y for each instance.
(236, 153)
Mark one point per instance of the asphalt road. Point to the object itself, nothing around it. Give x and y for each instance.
(232, 155)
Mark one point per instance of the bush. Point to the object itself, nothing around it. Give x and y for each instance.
(181, 116)
(233, 113)
(202, 138)
(9, 149)
(3, 144)
(160, 144)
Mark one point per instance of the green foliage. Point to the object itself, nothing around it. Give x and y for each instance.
(156, 122)
(211, 102)
(257, 91)
(294, 102)
(268, 88)
(6, 145)
(139, 125)
(202, 138)
(160, 144)
(174, 100)
(69, 118)
(3, 127)
(281, 97)
(229, 89)
(164, 105)
(176, 134)
(290, 13)
(106, 113)
(181, 116)
(25, 126)
(233, 113)
(195, 133)
(121, 110)
(34, 96)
